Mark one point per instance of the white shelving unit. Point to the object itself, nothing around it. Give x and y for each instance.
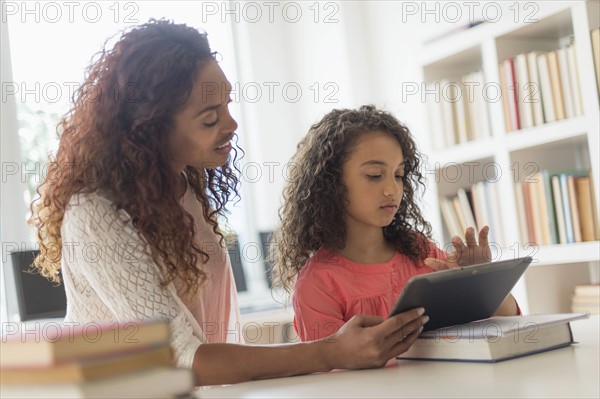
(566, 144)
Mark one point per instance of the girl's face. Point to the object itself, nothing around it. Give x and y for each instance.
(204, 127)
(373, 175)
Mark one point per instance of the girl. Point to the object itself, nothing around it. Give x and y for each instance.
(351, 234)
(128, 213)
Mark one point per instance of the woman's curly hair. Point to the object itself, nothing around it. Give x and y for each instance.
(114, 140)
(315, 197)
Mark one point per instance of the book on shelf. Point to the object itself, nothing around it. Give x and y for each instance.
(559, 208)
(448, 118)
(493, 196)
(522, 83)
(535, 89)
(495, 339)
(521, 215)
(565, 82)
(574, 80)
(461, 113)
(479, 206)
(466, 208)
(574, 208)
(450, 218)
(528, 212)
(434, 110)
(59, 343)
(556, 85)
(546, 88)
(543, 209)
(159, 382)
(546, 188)
(512, 93)
(505, 98)
(532, 194)
(478, 113)
(584, 205)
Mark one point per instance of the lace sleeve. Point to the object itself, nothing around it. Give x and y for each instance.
(110, 274)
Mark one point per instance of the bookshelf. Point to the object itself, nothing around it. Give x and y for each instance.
(489, 165)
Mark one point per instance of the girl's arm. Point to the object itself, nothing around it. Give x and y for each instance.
(509, 307)
(363, 342)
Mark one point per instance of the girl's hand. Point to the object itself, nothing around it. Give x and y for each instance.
(370, 341)
(470, 254)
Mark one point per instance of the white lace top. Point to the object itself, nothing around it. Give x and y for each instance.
(109, 276)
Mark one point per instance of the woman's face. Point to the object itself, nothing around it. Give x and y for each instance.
(204, 127)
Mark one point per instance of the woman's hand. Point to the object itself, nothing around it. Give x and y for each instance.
(370, 341)
(472, 253)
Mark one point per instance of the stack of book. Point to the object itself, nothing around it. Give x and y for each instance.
(557, 207)
(117, 360)
(586, 299)
(495, 339)
(540, 87)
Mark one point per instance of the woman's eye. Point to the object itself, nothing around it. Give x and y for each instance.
(211, 124)
(373, 177)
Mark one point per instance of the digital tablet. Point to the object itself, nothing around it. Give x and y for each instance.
(461, 295)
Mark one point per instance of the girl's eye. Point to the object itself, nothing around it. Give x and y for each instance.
(399, 177)
(211, 124)
(373, 177)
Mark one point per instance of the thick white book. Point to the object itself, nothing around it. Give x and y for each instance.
(152, 383)
(495, 339)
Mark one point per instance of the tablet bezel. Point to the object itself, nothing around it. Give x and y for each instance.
(462, 295)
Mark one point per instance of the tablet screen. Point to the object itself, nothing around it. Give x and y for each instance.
(462, 295)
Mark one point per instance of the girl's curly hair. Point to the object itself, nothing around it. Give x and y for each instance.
(315, 197)
(114, 141)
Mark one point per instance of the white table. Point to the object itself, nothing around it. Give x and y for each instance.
(565, 372)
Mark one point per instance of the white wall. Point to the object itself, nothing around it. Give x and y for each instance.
(363, 53)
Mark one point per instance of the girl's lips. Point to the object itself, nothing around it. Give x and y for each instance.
(389, 208)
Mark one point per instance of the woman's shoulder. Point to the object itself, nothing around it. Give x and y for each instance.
(94, 209)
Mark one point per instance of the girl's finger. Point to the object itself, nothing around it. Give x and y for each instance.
(483, 236)
(470, 237)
